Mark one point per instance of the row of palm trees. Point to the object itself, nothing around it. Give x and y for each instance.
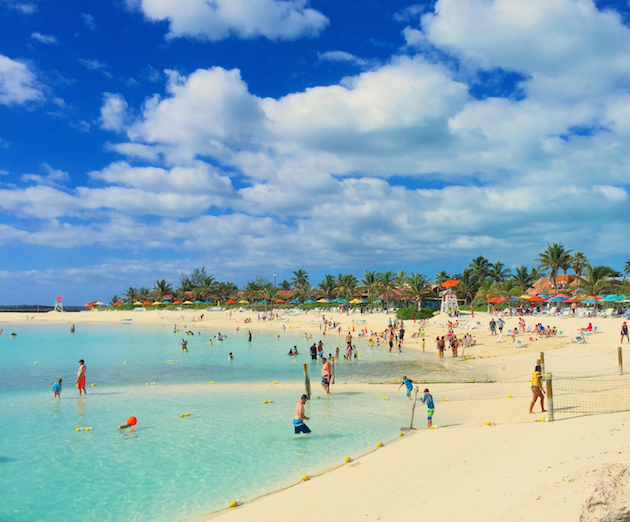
(477, 282)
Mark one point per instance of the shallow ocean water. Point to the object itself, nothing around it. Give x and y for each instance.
(169, 468)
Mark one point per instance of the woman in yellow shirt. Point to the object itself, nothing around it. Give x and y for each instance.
(537, 390)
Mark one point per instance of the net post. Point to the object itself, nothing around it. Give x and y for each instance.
(307, 381)
(620, 357)
(550, 416)
(541, 361)
(332, 371)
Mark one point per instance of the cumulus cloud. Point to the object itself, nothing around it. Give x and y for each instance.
(113, 112)
(88, 21)
(92, 65)
(25, 8)
(220, 19)
(18, 84)
(340, 56)
(52, 178)
(47, 39)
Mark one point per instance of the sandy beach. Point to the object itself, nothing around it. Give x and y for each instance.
(516, 468)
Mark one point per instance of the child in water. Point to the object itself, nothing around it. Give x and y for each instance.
(57, 389)
(231, 357)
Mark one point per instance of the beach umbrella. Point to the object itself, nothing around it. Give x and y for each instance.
(525, 297)
(137, 303)
(378, 301)
(495, 300)
(558, 299)
(146, 303)
(207, 302)
(343, 300)
(243, 301)
(310, 301)
(295, 301)
(450, 283)
(166, 302)
(589, 301)
(537, 299)
(98, 303)
(117, 303)
(322, 300)
(177, 302)
(156, 303)
(187, 302)
(611, 299)
(280, 301)
(198, 302)
(89, 304)
(513, 298)
(59, 298)
(231, 301)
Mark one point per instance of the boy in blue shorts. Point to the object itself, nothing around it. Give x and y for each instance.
(409, 384)
(428, 400)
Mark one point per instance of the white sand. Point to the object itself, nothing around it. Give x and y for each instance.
(516, 469)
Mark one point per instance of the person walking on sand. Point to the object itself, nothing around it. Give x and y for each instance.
(428, 400)
(624, 332)
(409, 384)
(81, 377)
(298, 421)
(326, 372)
(537, 390)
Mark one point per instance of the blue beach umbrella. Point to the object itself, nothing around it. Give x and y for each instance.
(295, 301)
(378, 301)
(589, 301)
(611, 298)
(310, 301)
(207, 302)
(343, 300)
(557, 299)
(166, 302)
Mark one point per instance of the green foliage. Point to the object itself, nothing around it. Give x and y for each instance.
(407, 314)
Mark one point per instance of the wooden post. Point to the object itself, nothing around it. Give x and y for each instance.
(542, 362)
(332, 371)
(620, 357)
(413, 409)
(307, 382)
(548, 378)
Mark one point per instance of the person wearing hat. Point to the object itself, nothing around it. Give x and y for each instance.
(81, 377)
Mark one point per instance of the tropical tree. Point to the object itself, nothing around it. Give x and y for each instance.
(225, 291)
(198, 275)
(626, 267)
(269, 293)
(578, 262)
(143, 293)
(186, 284)
(285, 285)
(346, 284)
(401, 279)
(328, 285)
(508, 288)
(300, 277)
(131, 294)
(441, 276)
(524, 278)
(303, 292)
(553, 259)
(597, 279)
(497, 272)
(162, 287)
(370, 283)
(485, 290)
(205, 289)
(417, 288)
(387, 285)
(480, 267)
(114, 299)
(251, 291)
(469, 284)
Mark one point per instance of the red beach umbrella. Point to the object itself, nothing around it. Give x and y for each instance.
(231, 301)
(537, 299)
(59, 298)
(495, 300)
(146, 303)
(280, 301)
(177, 302)
(450, 283)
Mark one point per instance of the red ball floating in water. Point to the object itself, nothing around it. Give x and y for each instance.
(132, 421)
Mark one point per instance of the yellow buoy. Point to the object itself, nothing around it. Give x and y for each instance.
(78, 429)
(124, 362)
(306, 477)
(181, 415)
(210, 382)
(384, 398)
(542, 420)
(401, 434)
(88, 429)
(265, 402)
(188, 415)
(35, 362)
(234, 503)
(293, 360)
(270, 402)
(445, 399)
(509, 396)
(93, 384)
(273, 382)
(348, 459)
(152, 383)
(488, 423)
(373, 360)
(379, 445)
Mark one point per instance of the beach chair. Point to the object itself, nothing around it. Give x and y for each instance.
(560, 333)
(518, 344)
(594, 329)
(578, 338)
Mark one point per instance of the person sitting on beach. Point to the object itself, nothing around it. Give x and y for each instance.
(428, 400)
(298, 421)
(589, 328)
(537, 390)
(409, 384)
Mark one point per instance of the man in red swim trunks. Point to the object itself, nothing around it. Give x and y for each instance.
(81, 377)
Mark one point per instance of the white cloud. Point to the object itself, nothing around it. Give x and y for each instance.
(220, 19)
(88, 20)
(340, 56)
(25, 8)
(18, 84)
(47, 39)
(53, 177)
(93, 65)
(113, 112)
(410, 13)
(611, 193)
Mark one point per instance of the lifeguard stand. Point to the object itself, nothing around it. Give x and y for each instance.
(58, 304)
(449, 303)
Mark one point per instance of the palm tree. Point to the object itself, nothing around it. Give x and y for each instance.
(469, 284)
(497, 272)
(524, 278)
(485, 290)
(206, 288)
(401, 279)
(597, 279)
(626, 267)
(417, 288)
(186, 284)
(508, 288)
(225, 291)
(270, 293)
(114, 299)
(251, 291)
(346, 284)
(303, 292)
(480, 267)
(441, 276)
(370, 283)
(198, 275)
(143, 293)
(162, 287)
(578, 262)
(131, 294)
(387, 286)
(300, 278)
(328, 285)
(552, 259)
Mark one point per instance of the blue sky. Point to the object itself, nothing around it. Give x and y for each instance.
(140, 139)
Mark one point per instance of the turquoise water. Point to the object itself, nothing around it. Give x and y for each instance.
(168, 468)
